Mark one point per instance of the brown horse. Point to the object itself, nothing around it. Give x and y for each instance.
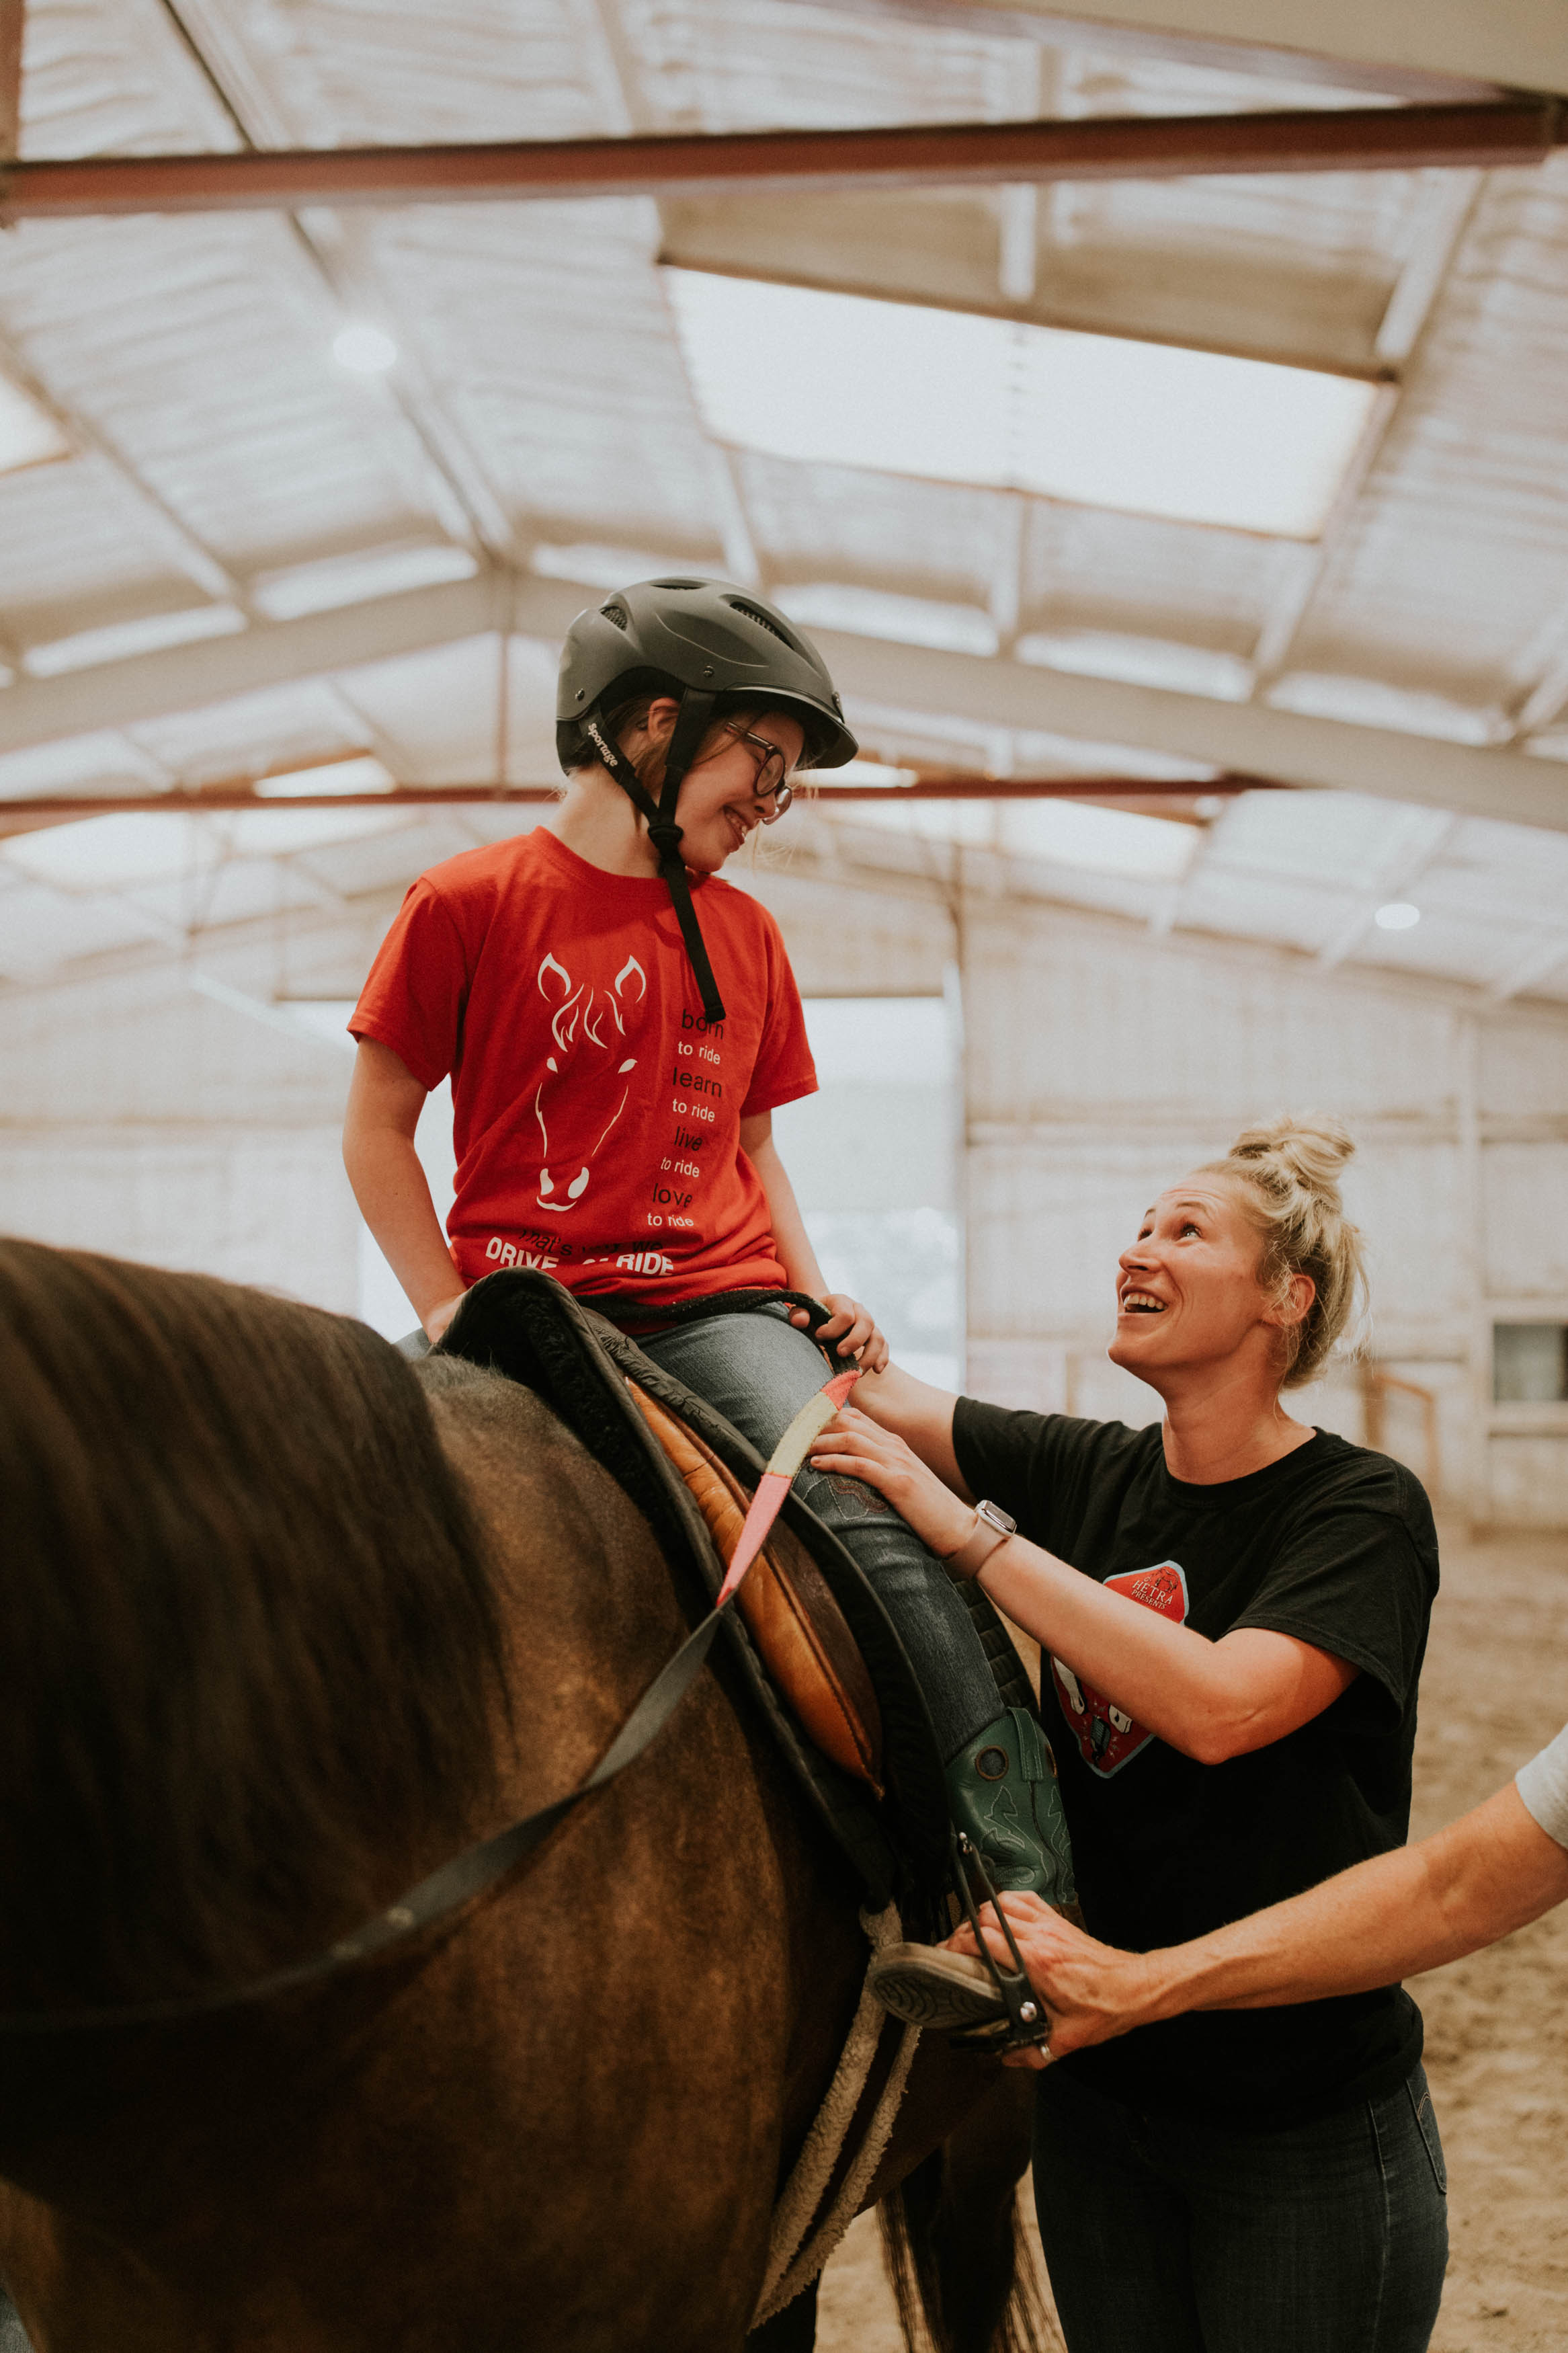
(285, 1623)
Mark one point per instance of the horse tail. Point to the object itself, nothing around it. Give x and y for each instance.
(959, 2291)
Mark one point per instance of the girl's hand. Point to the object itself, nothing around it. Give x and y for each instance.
(440, 1316)
(1090, 1991)
(856, 1448)
(851, 1329)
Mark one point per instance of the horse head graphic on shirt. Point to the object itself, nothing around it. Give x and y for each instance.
(587, 1078)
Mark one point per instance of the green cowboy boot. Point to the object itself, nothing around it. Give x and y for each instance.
(1002, 1789)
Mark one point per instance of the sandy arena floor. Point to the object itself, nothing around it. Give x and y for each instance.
(1495, 1689)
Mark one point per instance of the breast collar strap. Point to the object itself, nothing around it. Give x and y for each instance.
(696, 711)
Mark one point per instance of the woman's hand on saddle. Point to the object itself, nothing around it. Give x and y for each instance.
(1090, 1991)
(855, 1447)
(851, 1328)
(439, 1316)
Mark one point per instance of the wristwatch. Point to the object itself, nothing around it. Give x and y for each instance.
(993, 1526)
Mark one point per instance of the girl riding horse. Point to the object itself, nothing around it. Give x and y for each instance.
(619, 1026)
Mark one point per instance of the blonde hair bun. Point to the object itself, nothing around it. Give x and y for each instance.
(1312, 1150)
(1289, 1170)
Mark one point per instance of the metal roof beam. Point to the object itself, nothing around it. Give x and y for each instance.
(1240, 739)
(11, 13)
(1140, 147)
(33, 811)
(154, 685)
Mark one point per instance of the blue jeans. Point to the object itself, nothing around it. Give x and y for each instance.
(1166, 2233)
(759, 1370)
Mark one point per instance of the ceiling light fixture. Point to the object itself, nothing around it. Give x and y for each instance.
(364, 348)
(1399, 915)
(1098, 420)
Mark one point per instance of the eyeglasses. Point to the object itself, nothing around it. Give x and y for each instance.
(772, 770)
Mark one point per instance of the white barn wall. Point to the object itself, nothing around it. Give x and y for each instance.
(1103, 1060)
(143, 1119)
(1100, 1061)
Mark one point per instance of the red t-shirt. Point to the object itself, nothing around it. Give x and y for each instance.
(597, 1114)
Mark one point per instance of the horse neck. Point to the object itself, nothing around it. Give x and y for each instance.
(649, 2009)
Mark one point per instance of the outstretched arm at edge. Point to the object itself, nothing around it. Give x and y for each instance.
(389, 1183)
(1391, 1917)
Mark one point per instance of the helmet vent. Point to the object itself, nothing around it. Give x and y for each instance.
(761, 621)
(679, 583)
(616, 613)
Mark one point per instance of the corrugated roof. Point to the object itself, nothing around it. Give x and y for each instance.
(224, 461)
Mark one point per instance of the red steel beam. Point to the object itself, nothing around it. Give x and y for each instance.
(45, 808)
(1359, 138)
(10, 77)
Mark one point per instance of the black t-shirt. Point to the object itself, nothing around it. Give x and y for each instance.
(1332, 1545)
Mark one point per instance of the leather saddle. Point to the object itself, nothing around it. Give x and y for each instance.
(812, 1647)
(788, 1607)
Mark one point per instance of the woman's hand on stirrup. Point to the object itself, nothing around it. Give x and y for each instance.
(851, 1328)
(855, 1447)
(1090, 1991)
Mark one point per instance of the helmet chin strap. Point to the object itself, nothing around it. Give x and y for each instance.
(690, 726)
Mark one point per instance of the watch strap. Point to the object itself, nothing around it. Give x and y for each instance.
(975, 1550)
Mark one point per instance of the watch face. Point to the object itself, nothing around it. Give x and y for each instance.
(998, 1518)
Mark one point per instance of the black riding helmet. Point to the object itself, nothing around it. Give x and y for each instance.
(705, 643)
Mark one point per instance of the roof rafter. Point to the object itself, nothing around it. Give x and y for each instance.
(1135, 147)
(1407, 321)
(11, 14)
(1247, 739)
(188, 552)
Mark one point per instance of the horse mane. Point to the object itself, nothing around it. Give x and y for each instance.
(250, 1658)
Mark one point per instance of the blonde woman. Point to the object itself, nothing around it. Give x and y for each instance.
(1234, 1610)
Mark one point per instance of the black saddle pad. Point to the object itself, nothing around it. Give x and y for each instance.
(530, 1329)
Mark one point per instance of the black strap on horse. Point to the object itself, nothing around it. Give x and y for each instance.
(691, 726)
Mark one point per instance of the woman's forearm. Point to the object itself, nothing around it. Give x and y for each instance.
(1167, 1676)
(1213, 1700)
(1483, 1876)
(394, 1194)
(1388, 1918)
(1370, 1926)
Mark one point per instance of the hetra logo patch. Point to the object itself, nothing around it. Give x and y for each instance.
(1107, 1736)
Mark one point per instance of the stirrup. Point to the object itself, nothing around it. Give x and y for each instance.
(1028, 2023)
